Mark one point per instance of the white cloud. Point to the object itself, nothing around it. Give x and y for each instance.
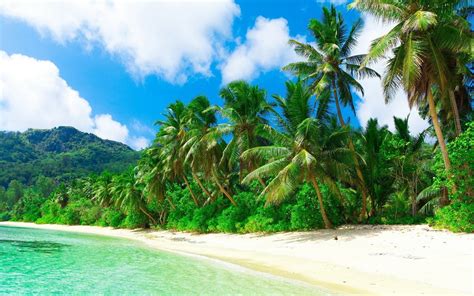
(265, 48)
(33, 95)
(373, 103)
(107, 128)
(335, 2)
(139, 143)
(141, 128)
(171, 39)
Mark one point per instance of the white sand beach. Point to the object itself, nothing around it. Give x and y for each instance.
(375, 260)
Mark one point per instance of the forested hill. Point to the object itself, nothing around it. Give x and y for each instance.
(61, 153)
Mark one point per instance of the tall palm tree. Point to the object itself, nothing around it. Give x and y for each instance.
(425, 33)
(245, 107)
(171, 138)
(305, 150)
(330, 67)
(198, 142)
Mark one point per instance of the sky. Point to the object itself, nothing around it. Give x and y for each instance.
(111, 67)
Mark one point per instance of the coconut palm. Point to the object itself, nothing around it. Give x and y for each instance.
(306, 150)
(200, 145)
(101, 189)
(375, 167)
(206, 156)
(171, 138)
(410, 161)
(150, 173)
(426, 34)
(127, 195)
(245, 107)
(330, 67)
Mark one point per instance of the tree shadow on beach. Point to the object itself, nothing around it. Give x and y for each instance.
(343, 233)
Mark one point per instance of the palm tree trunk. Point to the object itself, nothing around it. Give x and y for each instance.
(454, 107)
(372, 208)
(327, 223)
(171, 203)
(414, 208)
(196, 178)
(363, 212)
(191, 191)
(439, 135)
(222, 189)
(148, 215)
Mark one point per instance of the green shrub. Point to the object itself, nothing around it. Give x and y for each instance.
(457, 217)
(134, 219)
(5, 216)
(50, 212)
(305, 213)
(231, 218)
(111, 217)
(256, 223)
(461, 155)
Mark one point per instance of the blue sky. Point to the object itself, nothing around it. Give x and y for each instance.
(125, 75)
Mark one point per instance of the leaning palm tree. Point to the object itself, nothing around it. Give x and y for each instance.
(205, 156)
(424, 35)
(149, 172)
(101, 189)
(307, 156)
(128, 196)
(171, 138)
(330, 67)
(199, 144)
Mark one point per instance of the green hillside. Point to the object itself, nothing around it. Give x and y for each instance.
(62, 153)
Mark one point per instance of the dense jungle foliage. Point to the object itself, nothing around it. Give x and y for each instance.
(291, 161)
(63, 153)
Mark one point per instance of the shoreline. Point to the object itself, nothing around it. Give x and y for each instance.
(376, 260)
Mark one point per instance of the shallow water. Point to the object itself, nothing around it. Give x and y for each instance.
(36, 261)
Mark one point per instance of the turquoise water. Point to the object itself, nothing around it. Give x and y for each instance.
(53, 262)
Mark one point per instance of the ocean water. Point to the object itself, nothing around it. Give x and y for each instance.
(48, 262)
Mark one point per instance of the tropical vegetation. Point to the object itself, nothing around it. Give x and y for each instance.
(291, 161)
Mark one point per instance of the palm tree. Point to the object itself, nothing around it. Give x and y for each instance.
(101, 189)
(330, 67)
(410, 161)
(245, 107)
(127, 195)
(201, 120)
(305, 151)
(171, 138)
(375, 167)
(149, 172)
(424, 35)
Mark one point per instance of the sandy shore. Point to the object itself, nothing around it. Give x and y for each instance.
(379, 260)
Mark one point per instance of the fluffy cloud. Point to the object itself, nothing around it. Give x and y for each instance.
(335, 2)
(139, 143)
(171, 39)
(373, 103)
(107, 128)
(265, 48)
(32, 94)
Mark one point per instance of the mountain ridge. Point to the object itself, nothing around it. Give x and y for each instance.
(61, 153)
